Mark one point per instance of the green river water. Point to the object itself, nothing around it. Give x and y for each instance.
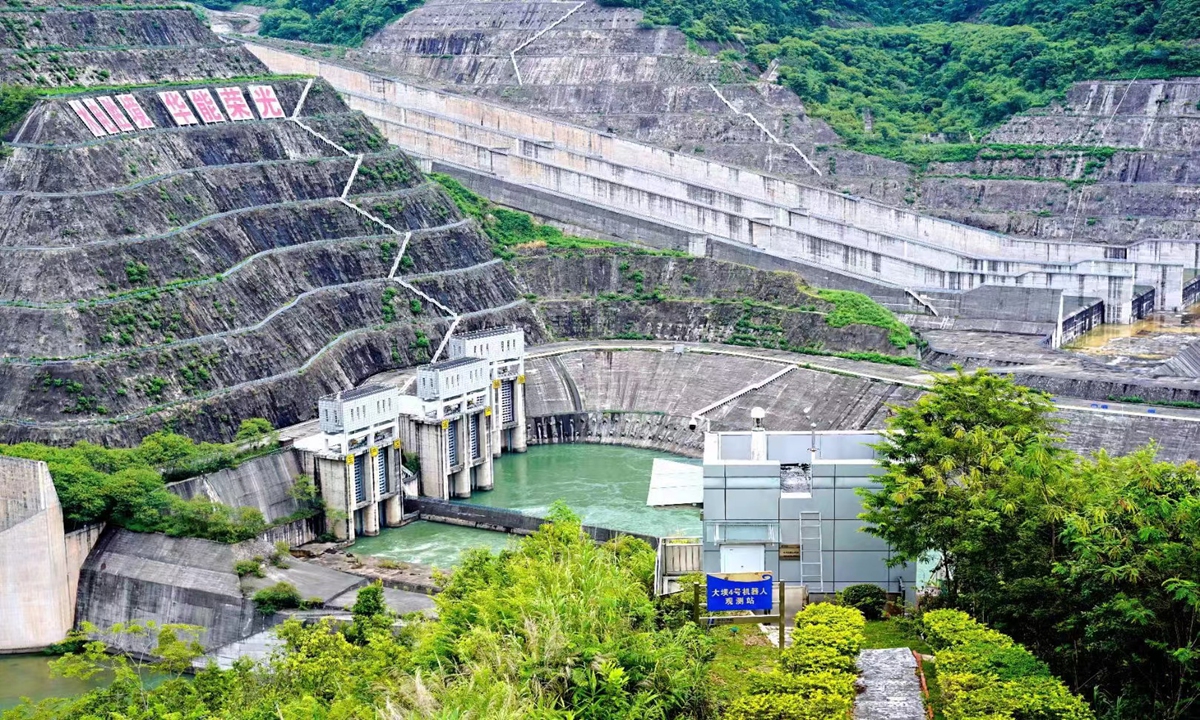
(605, 484)
(29, 676)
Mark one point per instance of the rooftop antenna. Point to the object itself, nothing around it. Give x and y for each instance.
(757, 414)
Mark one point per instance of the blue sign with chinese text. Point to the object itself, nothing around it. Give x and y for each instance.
(751, 593)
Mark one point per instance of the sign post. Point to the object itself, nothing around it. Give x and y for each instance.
(741, 591)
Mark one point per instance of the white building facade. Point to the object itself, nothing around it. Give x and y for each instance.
(504, 349)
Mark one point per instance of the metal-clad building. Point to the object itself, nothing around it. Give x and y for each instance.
(787, 502)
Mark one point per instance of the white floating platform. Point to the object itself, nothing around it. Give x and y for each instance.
(675, 483)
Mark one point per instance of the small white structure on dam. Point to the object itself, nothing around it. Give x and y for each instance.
(449, 423)
(504, 349)
(786, 502)
(358, 465)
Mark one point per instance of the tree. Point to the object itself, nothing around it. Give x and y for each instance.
(1092, 563)
(253, 429)
(971, 470)
(556, 627)
(1134, 566)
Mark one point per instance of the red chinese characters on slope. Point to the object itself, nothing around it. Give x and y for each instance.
(203, 101)
(136, 113)
(265, 101)
(114, 112)
(86, 116)
(178, 108)
(102, 117)
(235, 103)
(106, 115)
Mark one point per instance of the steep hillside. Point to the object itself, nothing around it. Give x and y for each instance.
(1119, 164)
(47, 44)
(199, 274)
(602, 68)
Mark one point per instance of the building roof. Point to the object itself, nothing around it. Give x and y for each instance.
(487, 332)
(451, 364)
(359, 392)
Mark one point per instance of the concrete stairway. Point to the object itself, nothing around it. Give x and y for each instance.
(891, 689)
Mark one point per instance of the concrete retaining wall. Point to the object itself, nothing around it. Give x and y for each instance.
(813, 224)
(35, 590)
(509, 521)
(264, 483)
(654, 431)
(139, 577)
(296, 532)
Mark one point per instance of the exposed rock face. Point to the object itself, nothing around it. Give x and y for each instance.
(598, 67)
(122, 46)
(202, 274)
(607, 294)
(1146, 188)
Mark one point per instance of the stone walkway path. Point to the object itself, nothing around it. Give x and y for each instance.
(891, 688)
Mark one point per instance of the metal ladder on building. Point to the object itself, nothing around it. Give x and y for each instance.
(812, 557)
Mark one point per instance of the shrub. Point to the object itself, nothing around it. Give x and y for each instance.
(280, 596)
(808, 659)
(983, 674)
(819, 706)
(868, 599)
(945, 628)
(777, 682)
(248, 567)
(825, 645)
(282, 551)
(832, 615)
(253, 429)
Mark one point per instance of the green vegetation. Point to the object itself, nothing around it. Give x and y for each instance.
(252, 429)
(337, 22)
(1091, 562)
(280, 596)
(1138, 399)
(851, 308)
(868, 599)
(556, 627)
(15, 101)
(890, 76)
(982, 674)
(508, 229)
(249, 567)
(815, 676)
(126, 487)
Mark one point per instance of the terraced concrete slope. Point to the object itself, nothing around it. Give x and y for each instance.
(598, 67)
(89, 42)
(197, 275)
(1121, 165)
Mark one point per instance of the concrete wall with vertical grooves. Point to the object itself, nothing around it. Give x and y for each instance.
(848, 233)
